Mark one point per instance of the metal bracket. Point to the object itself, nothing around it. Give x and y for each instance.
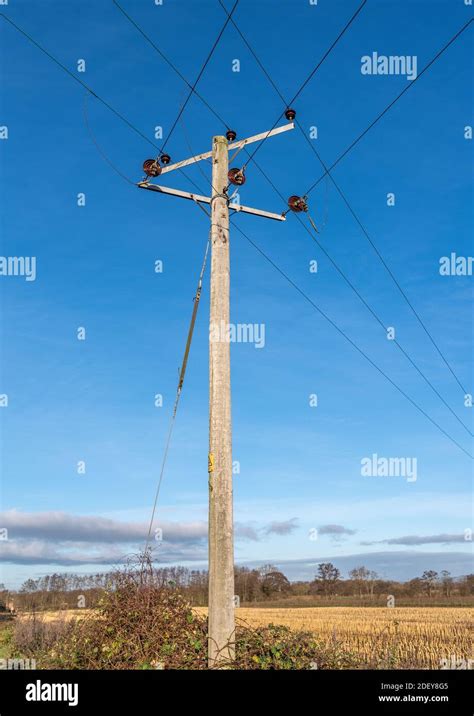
(235, 145)
(208, 200)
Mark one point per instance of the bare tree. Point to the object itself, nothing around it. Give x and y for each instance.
(446, 582)
(360, 576)
(429, 579)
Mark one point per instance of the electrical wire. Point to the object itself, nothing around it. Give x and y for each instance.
(268, 179)
(385, 265)
(191, 151)
(311, 74)
(199, 288)
(388, 107)
(179, 388)
(349, 340)
(240, 230)
(328, 174)
(166, 59)
(344, 334)
(216, 114)
(86, 87)
(385, 328)
(397, 343)
(201, 72)
(99, 148)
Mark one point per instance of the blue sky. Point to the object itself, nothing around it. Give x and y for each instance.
(93, 400)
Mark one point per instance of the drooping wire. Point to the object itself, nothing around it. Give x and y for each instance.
(179, 388)
(99, 148)
(86, 87)
(71, 74)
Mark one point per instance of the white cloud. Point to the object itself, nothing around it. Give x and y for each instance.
(61, 538)
(65, 527)
(335, 530)
(285, 527)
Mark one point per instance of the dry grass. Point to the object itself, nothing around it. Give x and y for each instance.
(408, 636)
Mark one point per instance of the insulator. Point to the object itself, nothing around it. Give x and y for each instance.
(151, 167)
(165, 158)
(231, 135)
(290, 114)
(297, 203)
(236, 176)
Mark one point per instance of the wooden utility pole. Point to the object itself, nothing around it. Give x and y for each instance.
(221, 631)
(221, 540)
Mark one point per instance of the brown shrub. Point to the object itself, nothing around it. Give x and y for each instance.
(141, 626)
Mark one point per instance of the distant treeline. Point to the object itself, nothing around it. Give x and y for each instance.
(252, 586)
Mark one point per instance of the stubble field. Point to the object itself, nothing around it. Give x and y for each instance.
(412, 637)
(403, 637)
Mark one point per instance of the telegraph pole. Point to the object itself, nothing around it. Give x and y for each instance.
(221, 630)
(221, 539)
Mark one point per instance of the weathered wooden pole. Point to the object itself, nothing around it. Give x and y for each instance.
(221, 529)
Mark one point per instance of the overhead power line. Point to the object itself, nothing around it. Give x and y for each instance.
(386, 266)
(168, 62)
(327, 171)
(385, 328)
(389, 106)
(89, 89)
(166, 59)
(344, 335)
(245, 236)
(161, 53)
(99, 148)
(201, 72)
(347, 338)
(313, 71)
